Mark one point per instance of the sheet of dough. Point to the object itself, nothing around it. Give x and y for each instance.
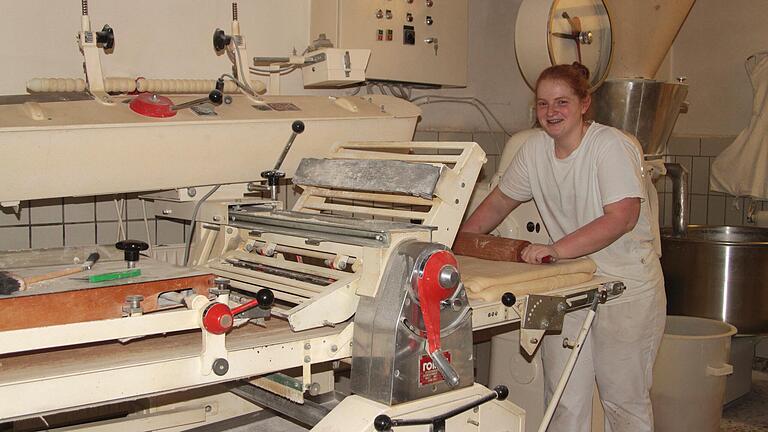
(488, 280)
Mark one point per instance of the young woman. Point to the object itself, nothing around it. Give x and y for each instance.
(586, 181)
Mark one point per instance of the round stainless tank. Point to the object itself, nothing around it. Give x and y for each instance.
(718, 272)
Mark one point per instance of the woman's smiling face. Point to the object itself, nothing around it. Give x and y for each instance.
(559, 110)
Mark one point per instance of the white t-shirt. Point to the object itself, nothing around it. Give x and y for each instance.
(571, 192)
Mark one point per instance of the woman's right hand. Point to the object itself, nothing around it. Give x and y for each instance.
(537, 253)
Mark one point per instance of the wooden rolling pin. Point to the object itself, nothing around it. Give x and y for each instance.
(489, 247)
(492, 248)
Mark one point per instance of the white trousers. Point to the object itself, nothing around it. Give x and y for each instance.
(618, 353)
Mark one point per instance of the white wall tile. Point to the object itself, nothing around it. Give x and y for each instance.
(425, 136)
(105, 208)
(492, 143)
(79, 234)
(684, 145)
(80, 209)
(698, 215)
(10, 216)
(713, 145)
(455, 136)
(716, 210)
(700, 175)
(138, 231)
(134, 210)
(12, 238)
(47, 236)
(106, 232)
(45, 211)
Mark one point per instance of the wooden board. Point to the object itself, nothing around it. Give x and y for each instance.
(90, 304)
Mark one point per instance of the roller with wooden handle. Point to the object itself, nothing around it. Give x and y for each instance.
(10, 283)
(492, 248)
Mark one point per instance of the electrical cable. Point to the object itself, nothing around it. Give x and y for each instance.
(240, 72)
(470, 98)
(285, 70)
(193, 223)
(238, 84)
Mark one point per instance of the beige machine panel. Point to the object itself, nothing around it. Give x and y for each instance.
(419, 41)
(79, 148)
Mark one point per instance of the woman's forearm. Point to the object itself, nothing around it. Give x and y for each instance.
(489, 214)
(619, 219)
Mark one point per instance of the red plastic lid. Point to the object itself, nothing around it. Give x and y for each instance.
(152, 105)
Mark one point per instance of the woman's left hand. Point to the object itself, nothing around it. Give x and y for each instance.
(535, 253)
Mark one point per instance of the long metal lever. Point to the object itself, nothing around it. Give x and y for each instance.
(274, 175)
(385, 423)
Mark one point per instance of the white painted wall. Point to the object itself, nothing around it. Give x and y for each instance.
(710, 50)
(172, 39)
(157, 39)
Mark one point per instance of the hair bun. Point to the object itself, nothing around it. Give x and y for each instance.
(581, 69)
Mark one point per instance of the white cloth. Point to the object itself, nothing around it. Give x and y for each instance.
(618, 353)
(742, 168)
(572, 192)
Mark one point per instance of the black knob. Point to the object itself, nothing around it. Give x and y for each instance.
(220, 40)
(132, 248)
(382, 423)
(106, 37)
(508, 299)
(216, 97)
(501, 392)
(298, 126)
(220, 366)
(272, 176)
(265, 298)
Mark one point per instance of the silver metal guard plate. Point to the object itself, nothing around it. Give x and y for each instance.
(389, 360)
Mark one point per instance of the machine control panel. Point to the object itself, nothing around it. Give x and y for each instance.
(428, 35)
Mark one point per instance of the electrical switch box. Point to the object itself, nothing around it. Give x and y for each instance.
(415, 41)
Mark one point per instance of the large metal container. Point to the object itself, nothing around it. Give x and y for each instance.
(647, 109)
(718, 272)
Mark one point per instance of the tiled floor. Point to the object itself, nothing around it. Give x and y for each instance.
(750, 412)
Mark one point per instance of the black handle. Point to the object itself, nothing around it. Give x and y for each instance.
(265, 298)
(132, 248)
(384, 422)
(220, 40)
(508, 299)
(106, 37)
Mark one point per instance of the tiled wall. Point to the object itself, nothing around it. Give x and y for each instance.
(696, 154)
(92, 220)
(88, 220)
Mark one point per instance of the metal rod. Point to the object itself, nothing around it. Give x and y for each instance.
(679, 176)
(569, 367)
(309, 413)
